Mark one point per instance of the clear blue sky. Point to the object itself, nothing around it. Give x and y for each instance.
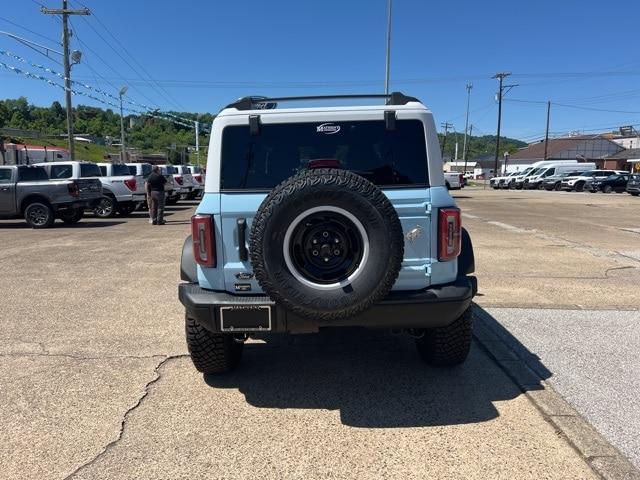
(206, 53)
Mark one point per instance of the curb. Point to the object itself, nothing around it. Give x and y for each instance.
(603, 458)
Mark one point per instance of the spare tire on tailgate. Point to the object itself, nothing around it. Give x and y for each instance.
(326, 244)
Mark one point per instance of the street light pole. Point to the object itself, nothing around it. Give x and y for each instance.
(123, 150)
(65, 12)
(388, 59)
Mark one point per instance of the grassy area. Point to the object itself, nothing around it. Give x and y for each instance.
(84, 151)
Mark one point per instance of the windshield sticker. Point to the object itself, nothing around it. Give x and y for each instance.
(328, 128)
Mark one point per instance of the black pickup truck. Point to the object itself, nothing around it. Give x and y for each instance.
(26, 192)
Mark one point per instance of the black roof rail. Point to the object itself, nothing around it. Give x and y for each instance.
(268, 103)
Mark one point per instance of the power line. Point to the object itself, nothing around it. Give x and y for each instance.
(30, 31)
(163, 93)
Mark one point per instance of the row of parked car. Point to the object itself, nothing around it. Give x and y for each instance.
(42, 192)
(570, 176)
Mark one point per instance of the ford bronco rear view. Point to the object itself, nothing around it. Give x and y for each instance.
(326, 217)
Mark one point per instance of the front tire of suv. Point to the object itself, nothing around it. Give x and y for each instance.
(579, 187)
(211, 352)
(447, 346)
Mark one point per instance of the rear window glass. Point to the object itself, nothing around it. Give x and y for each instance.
(120, 169)
(90, 170)
(385, 157)
(31, 174)
(171, 170)
(146, 170)
(61, 171)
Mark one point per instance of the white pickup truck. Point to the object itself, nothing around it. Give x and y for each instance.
(182, 178)
(199, 178)
(453, 180)
(127, 189)
(120, 192)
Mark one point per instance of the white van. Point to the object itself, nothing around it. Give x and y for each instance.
(535, 169)
(555, 168)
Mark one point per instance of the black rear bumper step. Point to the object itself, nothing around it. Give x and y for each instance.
(433, 307)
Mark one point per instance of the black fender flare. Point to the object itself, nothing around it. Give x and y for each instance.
(188, 271)
(466, 259)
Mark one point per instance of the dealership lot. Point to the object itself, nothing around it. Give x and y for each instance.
(95, 380)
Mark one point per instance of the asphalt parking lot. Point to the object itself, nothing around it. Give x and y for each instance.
(567, 267)
(95, 381)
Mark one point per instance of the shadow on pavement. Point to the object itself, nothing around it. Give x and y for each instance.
(374, 378)
(84, 223)
(490, 330)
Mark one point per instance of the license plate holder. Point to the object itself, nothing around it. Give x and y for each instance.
(241, 318)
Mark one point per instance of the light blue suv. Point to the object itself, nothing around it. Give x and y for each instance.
(326, 217)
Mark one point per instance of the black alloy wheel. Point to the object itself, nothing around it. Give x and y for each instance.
(326, 247)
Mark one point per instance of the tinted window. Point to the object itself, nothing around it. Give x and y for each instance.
(5, 175)
(146, 170)
(132, 169)
(61, 171)
(120, 169)
(89, 170)
(385, 157)
(103, 170)
(31, 174)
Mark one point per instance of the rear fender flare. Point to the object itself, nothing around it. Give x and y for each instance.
(466, 259)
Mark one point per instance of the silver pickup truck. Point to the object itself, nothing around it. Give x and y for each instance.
(26, 191)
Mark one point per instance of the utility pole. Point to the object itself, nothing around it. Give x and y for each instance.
(446, 126)
(65, 12)
(500, 76)
(197, 125)
(466, 152)
(123, 150)
(546, 134)
(388, 59)
(466, 123)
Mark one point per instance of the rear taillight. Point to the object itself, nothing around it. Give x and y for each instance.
(198, 178)
(204, 244)
(131, 184)
(74, 189)
(178, 180)
(449, 228)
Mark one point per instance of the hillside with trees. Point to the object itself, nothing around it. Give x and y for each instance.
(479, 147)
(146, 133)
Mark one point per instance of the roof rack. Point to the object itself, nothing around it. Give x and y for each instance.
(269, 103)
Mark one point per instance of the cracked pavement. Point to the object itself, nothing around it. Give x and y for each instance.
(95, 381)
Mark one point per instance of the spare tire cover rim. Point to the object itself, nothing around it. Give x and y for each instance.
(321, 286)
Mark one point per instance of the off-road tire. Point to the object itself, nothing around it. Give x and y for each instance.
(211, 352)
(326, 188)
(71, 216)
(447, 346)
(39, 215)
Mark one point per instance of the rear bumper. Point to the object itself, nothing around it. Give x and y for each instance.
(433, 307)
